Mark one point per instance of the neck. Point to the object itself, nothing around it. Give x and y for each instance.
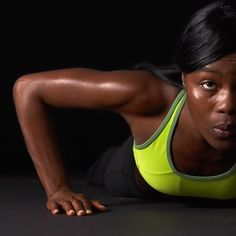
(193, 154)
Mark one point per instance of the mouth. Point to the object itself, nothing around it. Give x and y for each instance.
(224, 130)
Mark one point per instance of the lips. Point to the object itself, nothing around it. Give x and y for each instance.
(224, 130)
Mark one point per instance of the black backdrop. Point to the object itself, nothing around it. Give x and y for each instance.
(41, 36)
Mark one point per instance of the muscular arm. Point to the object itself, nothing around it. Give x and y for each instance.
(93, 89)
(119, 91)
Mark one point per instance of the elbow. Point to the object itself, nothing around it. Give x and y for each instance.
(22, 88)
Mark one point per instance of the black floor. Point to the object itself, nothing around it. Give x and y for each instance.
(23, 212)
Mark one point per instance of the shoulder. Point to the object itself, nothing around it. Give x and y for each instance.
(152, 99)
(150, 94)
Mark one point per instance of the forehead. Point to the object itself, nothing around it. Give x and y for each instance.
(223, 66)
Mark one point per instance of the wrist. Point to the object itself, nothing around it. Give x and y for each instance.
(53, 186)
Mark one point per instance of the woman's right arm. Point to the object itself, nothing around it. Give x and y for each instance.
(83, 88)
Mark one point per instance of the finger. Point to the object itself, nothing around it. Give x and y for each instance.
(87, 206)
(78, 206)
(98, 205)
(53, 207)
(67, 206)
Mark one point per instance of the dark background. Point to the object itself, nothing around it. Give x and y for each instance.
(41, 36)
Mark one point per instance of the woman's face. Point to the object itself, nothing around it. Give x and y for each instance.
(211, 100)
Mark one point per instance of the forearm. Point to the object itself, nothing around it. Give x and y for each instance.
(47, 161)
(40, 141)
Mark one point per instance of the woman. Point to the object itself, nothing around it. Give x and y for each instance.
(182, 119)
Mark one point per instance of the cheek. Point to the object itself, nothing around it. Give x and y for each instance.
(199, 96)
(196, 101)
(196, 95)
(200, 107)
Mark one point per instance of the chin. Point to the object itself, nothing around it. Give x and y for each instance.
(223, 145)
(220, 142)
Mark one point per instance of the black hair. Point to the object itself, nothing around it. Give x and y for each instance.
(209, 35)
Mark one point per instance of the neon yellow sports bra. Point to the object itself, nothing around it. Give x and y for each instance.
(154, 161)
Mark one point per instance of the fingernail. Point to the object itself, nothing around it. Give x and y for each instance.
(88, 212)
(80, 213)
(103, 208)
(55, 211)
(71, 212)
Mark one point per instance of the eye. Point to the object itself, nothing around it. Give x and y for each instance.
(208, 85)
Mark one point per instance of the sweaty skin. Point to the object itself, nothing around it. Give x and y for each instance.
(211, 95)
(143, 101)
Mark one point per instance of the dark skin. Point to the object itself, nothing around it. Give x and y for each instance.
(143, 100)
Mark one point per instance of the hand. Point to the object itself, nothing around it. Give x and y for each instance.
(73, 204)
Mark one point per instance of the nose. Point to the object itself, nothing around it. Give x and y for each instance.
(226, 103)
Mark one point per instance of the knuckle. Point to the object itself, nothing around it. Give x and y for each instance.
(64, 202)
(76, 201)
(87, 202)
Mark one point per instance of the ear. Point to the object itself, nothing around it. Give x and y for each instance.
(183, 78)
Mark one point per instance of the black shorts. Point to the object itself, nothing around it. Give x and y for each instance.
(115, 170)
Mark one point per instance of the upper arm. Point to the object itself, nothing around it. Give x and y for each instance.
(123, 91)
